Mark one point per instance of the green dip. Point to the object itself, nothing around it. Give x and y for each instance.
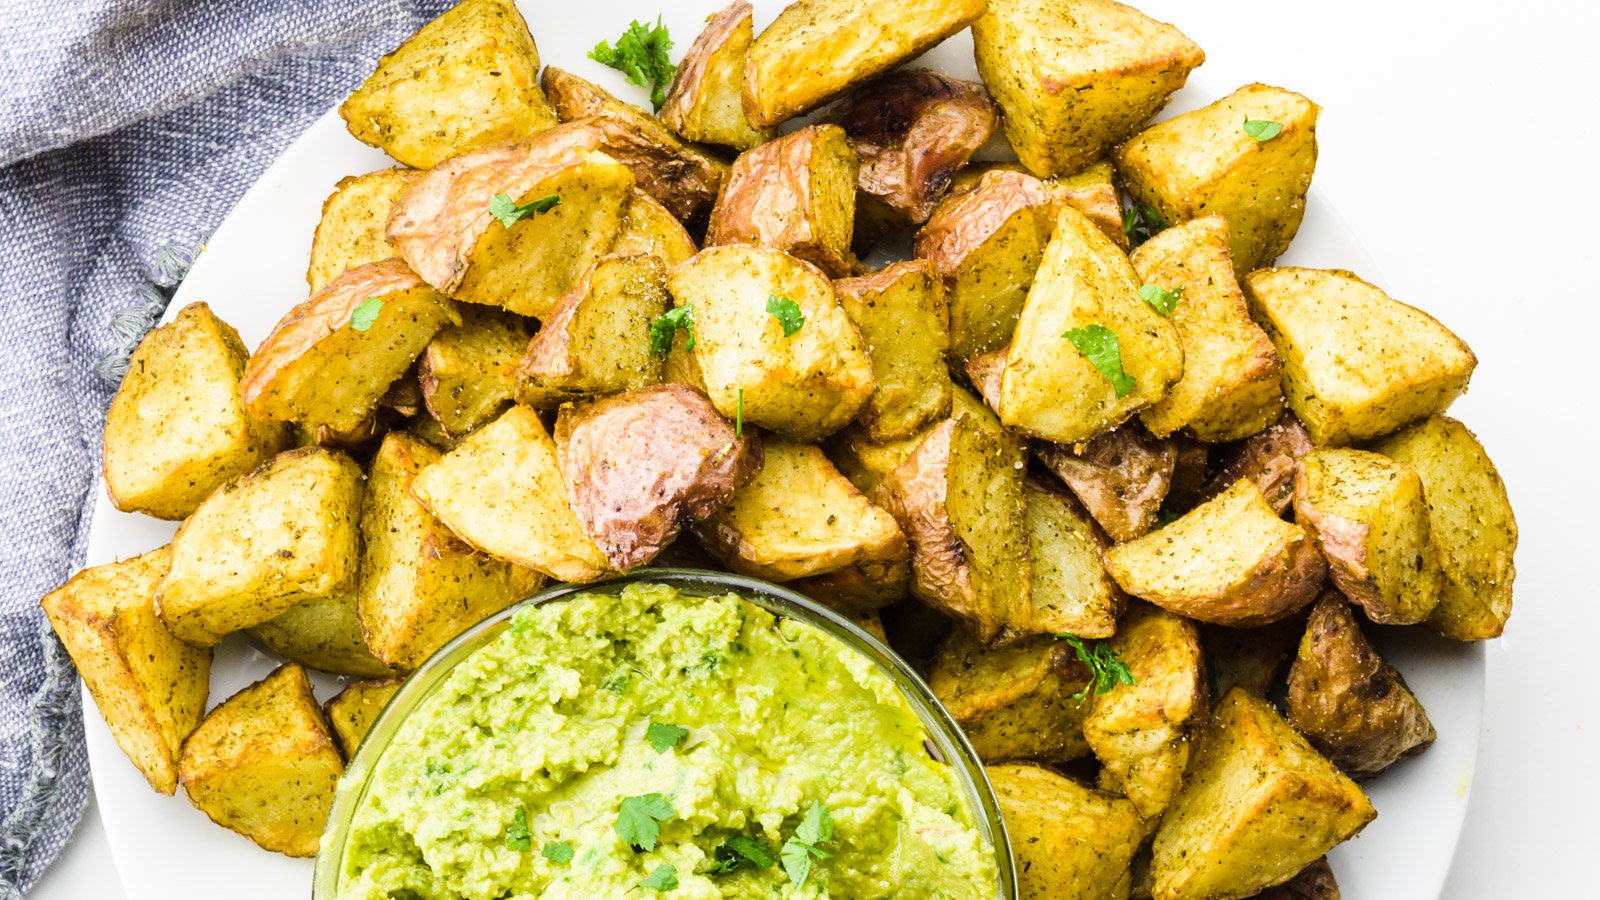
(533, 743)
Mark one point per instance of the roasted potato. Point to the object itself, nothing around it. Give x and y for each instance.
(1258, 806)
(1315, 882)
(1121, 477)
(858, 591)
(501, 491)
(332, 358)
(1071, 592)
(1252, 658)
(468, 372)
(803, 383)
(631, 489)
(650, 229)
(1228, 561)
(1204, 163)
(322, 633)
(706, 100)
(1270, 459)
(1229, 389)
(865, 461)
(1347, 700)
(1471, 523)
(1371, 521)
(468, 79)
(796, 194)
(597, 340)
(1069, 841)
(983, 373)
(270, 539)
(901, 314)
(1022, 700)
(176, 429)
(149, 686)
(352, 711)
(816, 49)
(1188, 474)
(1076, 78)
(351, 231)
(1356, 364)
(263, 764)
(1092, 192)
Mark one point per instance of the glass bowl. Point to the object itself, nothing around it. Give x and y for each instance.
(945, 741)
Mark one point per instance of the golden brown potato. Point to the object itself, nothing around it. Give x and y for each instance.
(816, 49)
(901, 314)
(1347, 700)
(1356, 364)
(1229, 389)
(637, 464)
(263, 764)
(796, 194)
(1269, 459)
(597, 340)
(857, 591)
(1371, 521)
(983, 373)
(354, 217)
(865, 461)
(1071, 592)
(705, 102)
(1092, 192)
(1315, 882)
(1252, 658)
(1228, 561)
(176, 429)
(468, 79)
(468, 373)
(1021, 700)
(149, 686)
(1121, 477)
(352, 711)
(263, 543)
(1258, 806)
(1471, 522)
(500, 490)
(322, 633)
(331, 359)
(651, 229)
(1076, 78)
(803, 383)
(1069, 841)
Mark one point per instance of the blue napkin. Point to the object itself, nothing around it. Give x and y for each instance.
(128, 128)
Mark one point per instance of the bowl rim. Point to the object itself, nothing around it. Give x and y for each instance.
(942, 732)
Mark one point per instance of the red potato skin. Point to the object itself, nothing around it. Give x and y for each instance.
(1270, 459)
(1121, 477)
(768, 201)
(962, 225)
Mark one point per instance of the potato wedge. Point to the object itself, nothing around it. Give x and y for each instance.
(864, 461)
(352, 711)
(1270, 459)
(706, 102)
(351, 231)
(1092, 192)
(1357, 364)
(1203, 163)
(1069, 841)
(500, 490)
(1077, 78)
(650, 229)
(468, 79)
(176, 429)
(631, 490)
(984, 371)
(1022, 700)
(901, 314)
(1315, 882)
(796, 194)
(1071, 592)
(597, 340)
(1371, 521)
(149, 686)
(468, 372)
(1252, 658)
(1121, 477)
(816, 49)
(859, 590)
(263, 764)
(1228, 561)
(270, 539)
(1258, 806)
(1471, 522)
(322, 633)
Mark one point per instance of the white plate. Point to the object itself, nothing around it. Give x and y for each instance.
(253, 270)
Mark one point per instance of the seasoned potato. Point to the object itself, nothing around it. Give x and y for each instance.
(1356, 363)
(1069, 841)
(705, 102)
(1347, 700)
(983, 372)
(263, 764)
(1471, 523)
(176, 429)
(1188, 474)
(1371, 521)
(1071, 592)
(1092, 192)
(1229, 389)
(501, 491)
(149, 686)
(631, 489)
(1121, 477)
(1258, 806)
(1269, 459)
(651, 229)
(901, 314)
(352, 711)
(332, 358)
(865, 461)
(322, 633)
(351, 231)
(1203, 163)
(1022, 700)
(468, 372)
(1315, 882)
(1252, 658)
(986, 244)
(804, 384)
(597, 340)
(274, 537)
(817, 48)
(858, 590)
(1076, 78)
(468, 79)
(444, 227)
(1228, 561)
(796, 194)
(420, 585)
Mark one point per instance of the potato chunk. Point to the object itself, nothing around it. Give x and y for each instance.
(796, 194)
(1315, 882)
(176, 429)
(706, 100)
(1121, 477)
(1203, 163)
(1269, 459)
(352, 711)
(351, 230)
(1071, 592)
(1228, 561)
(650, 229)
(1252, 658)
(1371, 522)
(263, 764)
(468, 79)
(865, 461)
(468, 373)
(1021, 700)
(597, 340)
(1069, 841)
(322, 633)
(1258, 806)
(1076, 78)
(149, 686)
(901, 314)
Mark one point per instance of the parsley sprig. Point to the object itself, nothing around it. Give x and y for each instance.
(639, 820)
(1160, 299)
(787, 312)
(518, 837)
(1140, 222)
(664, 737)
(737, 851)
(662, 879)
(509, 213)
(663, 328)
(1106, 669)
(1261, 130)
(362, 317)
(641, 56)
(802, 846)
(558, 852)
(1102, 348)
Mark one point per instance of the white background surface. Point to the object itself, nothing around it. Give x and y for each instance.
(1457, 140)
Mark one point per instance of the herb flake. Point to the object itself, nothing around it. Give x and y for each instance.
(518, 837)
(802, 847)
(1106, 669)
(664, 737)
(787, 312)
(639, 818)
(1140, 223)
(663, 878)
(362, 317)
(1160, 299)
(1261, 130)
(740, 850)
(558, 852)
(641, 56)
(738, 415)
(667, 324)
(509, 213)
(1100, 346)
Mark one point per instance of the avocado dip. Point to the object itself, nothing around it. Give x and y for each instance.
(661, 743)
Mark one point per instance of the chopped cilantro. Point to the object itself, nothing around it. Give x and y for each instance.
(787, 312)
(1160, 299)
(1106, 670)
(558, 852)
(1140, 222)
(740, 850)
(641, 55)
(1261, 130)
(663, 878)
(517, 836)
(802, 847)
(509, 213)
(664, 737)
(667, 324)
(362, 317)
(738, 415)
(639, 818)
(1100, 345)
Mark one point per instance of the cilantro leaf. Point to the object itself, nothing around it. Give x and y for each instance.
(740, 850)
(663, 878)
(796, 861)
(787, 312)
(1140, 223)
(558, 852)
(738, 416)
(1102, 348)
(517, 836)
(1160, 299)
(639, 817)
(505, 209)
(664, 737)
(662, 329)
(801, 848)
(817, 826)
(1106, 669)
(641, 56)
(1261, 130)
(362, 317)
